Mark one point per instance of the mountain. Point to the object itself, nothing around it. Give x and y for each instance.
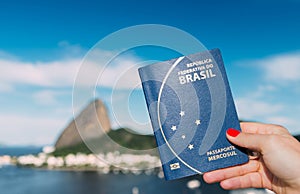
(122, 137)
(91, 123)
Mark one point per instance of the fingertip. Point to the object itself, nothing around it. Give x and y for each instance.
(226, 184)
(207, 177)
(233, 132)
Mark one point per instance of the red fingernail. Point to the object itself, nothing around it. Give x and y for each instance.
(233, 132)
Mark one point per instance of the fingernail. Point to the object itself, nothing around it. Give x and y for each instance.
(233, 132)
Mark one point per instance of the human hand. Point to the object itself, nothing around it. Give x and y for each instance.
(277, 168)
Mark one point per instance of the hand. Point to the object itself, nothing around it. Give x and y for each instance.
(277, 168)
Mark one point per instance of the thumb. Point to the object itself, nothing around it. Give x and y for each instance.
(252, 141)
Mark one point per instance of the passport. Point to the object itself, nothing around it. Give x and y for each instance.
(191, 107)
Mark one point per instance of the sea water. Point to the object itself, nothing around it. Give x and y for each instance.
(23, 180)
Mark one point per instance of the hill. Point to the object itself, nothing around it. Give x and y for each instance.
(92, 122)
(122, 137)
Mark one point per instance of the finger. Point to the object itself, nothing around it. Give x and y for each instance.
(261, 128)
(252, 127)
(255, 142)
(226, 173)
(252, 180)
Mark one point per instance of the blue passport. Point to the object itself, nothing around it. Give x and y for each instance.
(191, 106)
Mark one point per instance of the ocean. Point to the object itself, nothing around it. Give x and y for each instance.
(23, 180)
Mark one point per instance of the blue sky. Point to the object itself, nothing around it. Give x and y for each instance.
(42, 44)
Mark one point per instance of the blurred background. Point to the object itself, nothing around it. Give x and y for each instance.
(42, 47)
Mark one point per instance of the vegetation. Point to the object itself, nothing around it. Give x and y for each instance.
(122, 137)
(128, 139)
(81, 147)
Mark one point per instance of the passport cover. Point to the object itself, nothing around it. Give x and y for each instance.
(191, 107)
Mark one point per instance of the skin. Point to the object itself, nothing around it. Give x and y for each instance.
(277, 168)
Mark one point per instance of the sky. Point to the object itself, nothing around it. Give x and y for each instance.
(43, 44)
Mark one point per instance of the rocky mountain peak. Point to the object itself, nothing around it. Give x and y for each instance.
(91, 123)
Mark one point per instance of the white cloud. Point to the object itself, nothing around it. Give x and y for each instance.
(262, 90)
(48, 74)
(62, 73)
(108, 69)
(254, 109)
(5, 55)
(292, 124)
(48, 97)
(54, 80)
(5, 87)
(284, 121)
(282, 67)
(45, 97)
(68, 50)
(122, 75)
(274, 97)
(20, 129)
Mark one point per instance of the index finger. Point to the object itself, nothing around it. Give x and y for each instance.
(230, 172)
(262, 128)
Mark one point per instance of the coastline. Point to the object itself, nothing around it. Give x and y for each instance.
(102, 163)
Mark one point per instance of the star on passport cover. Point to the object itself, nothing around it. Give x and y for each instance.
(191, 107)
